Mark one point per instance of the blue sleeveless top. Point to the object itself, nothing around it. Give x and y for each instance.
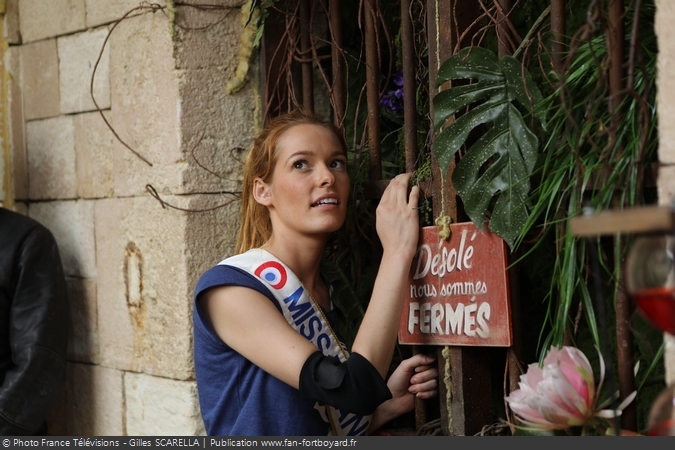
(236, 397)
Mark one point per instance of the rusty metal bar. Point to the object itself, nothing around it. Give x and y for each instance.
(440, 17)
(616, 59)
(502, 29)
(338, 91)
(464, 371)
(275, 95)
(409, 88)
(558, 31)
(625, 354)
(370, 10)
(307, 71)
(624, 336)
(423, 408)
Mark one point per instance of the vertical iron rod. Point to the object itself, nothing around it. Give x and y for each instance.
(338, 91)
(307, 71)
(409, 88)
(616, 58)
(558, 40)
(624, 337)
(373, 89)
(602, 319)
(502, 29)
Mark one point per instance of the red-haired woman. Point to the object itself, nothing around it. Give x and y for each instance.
(267, 356)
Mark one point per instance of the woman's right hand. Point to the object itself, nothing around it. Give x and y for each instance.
(397, 221)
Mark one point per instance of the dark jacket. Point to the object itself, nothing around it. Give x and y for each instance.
(33, 324)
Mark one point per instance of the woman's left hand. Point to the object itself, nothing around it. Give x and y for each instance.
(414, 377)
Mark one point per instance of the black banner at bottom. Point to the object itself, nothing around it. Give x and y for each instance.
(363, 443)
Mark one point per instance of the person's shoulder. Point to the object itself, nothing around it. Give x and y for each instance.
(11, 219)
(223, 274)
(18, 227)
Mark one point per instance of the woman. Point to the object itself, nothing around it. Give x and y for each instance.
(267, 357)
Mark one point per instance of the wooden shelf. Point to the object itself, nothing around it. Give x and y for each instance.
(648, 219)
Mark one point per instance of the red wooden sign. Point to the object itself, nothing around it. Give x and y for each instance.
(457, 291)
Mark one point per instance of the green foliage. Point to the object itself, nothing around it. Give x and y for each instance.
(589, 157)
(584, 164)
(259, 20)
(499, 164)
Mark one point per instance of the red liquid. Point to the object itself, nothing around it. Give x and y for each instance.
(665, 428)
(658, 305)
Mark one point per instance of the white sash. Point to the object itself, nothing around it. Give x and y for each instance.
(302, 315)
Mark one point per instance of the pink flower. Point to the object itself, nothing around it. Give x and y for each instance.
(561, 394)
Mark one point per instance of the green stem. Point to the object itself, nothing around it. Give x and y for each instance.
(528, 36)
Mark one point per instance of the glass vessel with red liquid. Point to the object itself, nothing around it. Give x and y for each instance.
(650, 280)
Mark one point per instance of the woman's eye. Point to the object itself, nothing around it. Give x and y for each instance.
(302, 164)
(337, 164)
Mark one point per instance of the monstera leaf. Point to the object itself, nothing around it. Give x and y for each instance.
(501, 160)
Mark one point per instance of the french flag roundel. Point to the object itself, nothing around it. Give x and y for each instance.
(273, 273)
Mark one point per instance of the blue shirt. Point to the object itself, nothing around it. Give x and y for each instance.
(236, 397)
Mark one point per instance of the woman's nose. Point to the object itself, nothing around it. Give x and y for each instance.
(326, 176)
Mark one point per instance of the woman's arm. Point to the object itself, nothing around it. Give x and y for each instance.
(250, 324)
(398, 229)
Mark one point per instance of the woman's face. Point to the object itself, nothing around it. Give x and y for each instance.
(309, 186)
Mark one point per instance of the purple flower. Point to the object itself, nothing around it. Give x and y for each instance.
(393, 98)
(391, 101)
(398, 78)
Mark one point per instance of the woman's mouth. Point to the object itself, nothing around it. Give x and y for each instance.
(325, 201)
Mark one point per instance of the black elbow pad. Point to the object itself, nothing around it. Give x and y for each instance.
(354, 386)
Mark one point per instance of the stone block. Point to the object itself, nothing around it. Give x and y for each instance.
(50, 148)
(72, 224)
(40, 79)
(665, 185)
(144, 298)
(21, 208)
(145, 106)
(78, 54)
(41, 19)
(227, 125)
(12, 26)
(209, 38)
(93, 155)
(670, 358)
(83, 327)
(146, 279)
(211, 236)
(94, 401)
(101, 12)
(665, 96)
(12, 62)
(161, 407)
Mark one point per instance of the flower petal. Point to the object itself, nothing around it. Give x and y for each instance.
(557, 387)
(578, 371)
(551, 411)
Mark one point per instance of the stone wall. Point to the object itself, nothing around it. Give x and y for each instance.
(665, 15)
(131, 265)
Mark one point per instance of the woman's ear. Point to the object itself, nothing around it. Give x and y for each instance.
(262, 192)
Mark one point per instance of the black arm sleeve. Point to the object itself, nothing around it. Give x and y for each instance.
(354, 386)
